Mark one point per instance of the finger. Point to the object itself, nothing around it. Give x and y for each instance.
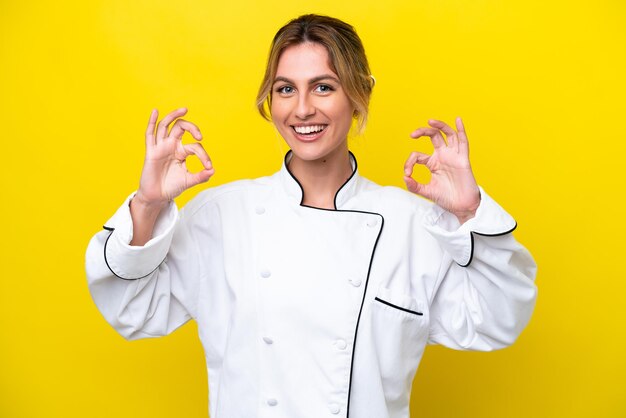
(461, 129)
(442, 126)
(199, 177)
(417, 188)
(199, 151)
(463, 142)
(434, 134)
(414, 158)
(451, 137)
(181, 125)
(154, 115)
(163, 125)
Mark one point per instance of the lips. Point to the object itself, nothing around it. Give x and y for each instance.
(308, 133)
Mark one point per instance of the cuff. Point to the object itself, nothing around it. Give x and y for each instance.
(458, 240)
(135, 262)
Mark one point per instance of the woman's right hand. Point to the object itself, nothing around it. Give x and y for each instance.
(165, 175)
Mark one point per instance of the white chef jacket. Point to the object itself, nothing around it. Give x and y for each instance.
(306, 312)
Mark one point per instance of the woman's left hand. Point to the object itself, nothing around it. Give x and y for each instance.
(452, 185)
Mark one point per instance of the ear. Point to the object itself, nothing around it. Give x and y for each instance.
(355, 110)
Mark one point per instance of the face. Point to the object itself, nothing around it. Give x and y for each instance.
(309, 107)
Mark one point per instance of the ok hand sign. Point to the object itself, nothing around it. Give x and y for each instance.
(452, 185)
(165, 175)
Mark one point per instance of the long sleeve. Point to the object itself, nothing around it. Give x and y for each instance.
(144, 291)
(486, 292)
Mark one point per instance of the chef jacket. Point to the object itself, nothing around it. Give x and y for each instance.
(309, 312)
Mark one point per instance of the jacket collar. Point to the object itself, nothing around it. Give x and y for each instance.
(295, 192)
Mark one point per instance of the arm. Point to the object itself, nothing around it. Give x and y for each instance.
(137, 292)
(132, 286)
(485, 292)
(165, 175)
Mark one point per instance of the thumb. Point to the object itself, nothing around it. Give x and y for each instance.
(199, 177)
(417, 188)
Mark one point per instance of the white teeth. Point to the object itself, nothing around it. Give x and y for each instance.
(308, 129)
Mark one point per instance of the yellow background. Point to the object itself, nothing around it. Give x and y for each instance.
(539, 84)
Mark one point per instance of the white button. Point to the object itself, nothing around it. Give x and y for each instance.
(260, 210)
(268, 340)
(372, 222)
(355, 282)
(334, 408)
(265, 273)
(272, 402)
(341, 344)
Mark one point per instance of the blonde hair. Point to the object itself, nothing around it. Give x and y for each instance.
(346, 55)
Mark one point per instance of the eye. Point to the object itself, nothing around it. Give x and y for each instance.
(324, 88)
(284, 90)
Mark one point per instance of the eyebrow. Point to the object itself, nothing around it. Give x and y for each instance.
(311, 81)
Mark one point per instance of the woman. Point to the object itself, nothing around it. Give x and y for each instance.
(315, 290)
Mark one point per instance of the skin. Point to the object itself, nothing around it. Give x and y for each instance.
(164, 175)
(452, 185)
(305, 92)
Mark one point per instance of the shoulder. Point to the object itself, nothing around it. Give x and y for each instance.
(392, 198)
(228, 193)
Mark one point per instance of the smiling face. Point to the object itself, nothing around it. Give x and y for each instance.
(309, 107)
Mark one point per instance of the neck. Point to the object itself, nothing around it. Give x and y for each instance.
(321, 179)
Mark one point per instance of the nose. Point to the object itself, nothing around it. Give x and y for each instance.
(305, 107)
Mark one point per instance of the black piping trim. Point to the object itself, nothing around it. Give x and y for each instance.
(356, 329)
(484, 235)
(107, 261)
(398, 307)
(347, 181)
(338, 190)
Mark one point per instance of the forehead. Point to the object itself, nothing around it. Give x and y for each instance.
(304, 61)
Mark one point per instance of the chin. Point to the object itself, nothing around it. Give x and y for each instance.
(306, 153)
(315, 152)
